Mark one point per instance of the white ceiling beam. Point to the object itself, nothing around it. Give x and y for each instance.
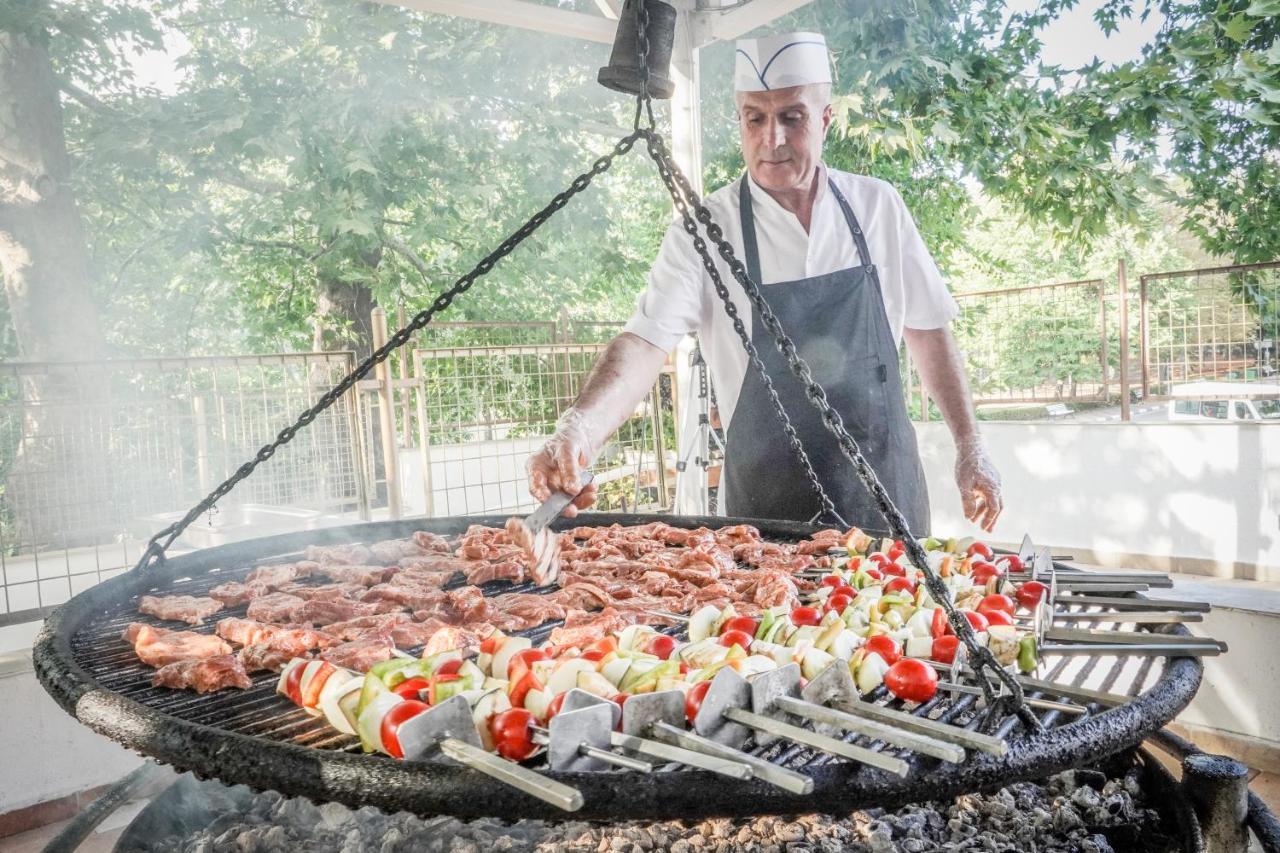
(518, 13)
(611, 9)
(731, 24)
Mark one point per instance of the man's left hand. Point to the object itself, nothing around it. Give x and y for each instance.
(979, 483)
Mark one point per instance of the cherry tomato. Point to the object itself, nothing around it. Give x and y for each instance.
(693, 699)
(1031, 594)
(736, 638)
(896, 570)
(904, 584)
(741, 623)
(944, 648)
(513, 734)
(837, 602)
(293, 683)
(983, 572)
(449, 667)
(886, 647)
(912, 680)
(896, 550)
(940, 627)
(489, 645)
(806, 616)
(998, 617)
(996, 601)
(521, 688)
(556, 704)
(845, 589)
(874, 574)
(604, 645)
(976, 619)
(593, 655)
(411, 688)
(390, 727)
(620, 699)
(882, 561)
(831, 580)
(520, 661)
(981, 549)
(312, 697)
(1010, 563)
(661, 646)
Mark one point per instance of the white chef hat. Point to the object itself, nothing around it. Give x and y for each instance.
(781, 61)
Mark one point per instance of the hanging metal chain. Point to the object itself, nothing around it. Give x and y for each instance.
(684, 198)
(156, 548)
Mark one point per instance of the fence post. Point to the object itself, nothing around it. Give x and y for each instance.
(1102, 320)
(406, 405)
(1143, 344)
(386, 415)
(1122, 279)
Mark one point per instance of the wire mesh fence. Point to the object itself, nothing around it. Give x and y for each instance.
(94, 458)
(483, 410)
(1220, 324)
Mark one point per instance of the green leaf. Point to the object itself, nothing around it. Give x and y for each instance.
(1238, 28)
(1264, 9)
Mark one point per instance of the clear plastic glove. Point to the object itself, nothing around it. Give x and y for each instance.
(979, 483)
(559, 465)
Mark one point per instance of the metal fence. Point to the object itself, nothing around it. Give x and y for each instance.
(1209, 324)
(94, 458)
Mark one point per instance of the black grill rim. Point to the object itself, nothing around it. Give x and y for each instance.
(429, 788)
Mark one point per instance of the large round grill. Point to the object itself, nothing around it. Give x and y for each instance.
(259, 738)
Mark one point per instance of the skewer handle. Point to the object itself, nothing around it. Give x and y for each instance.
(1080, 694)
(923, 725)
(1189, 650)
(765, 771)
(1137, 638)
(1122, 603)
(626, 762)
(769, 725)
(922, 744)
(509, 773)
(1136, 617)
(688, 757)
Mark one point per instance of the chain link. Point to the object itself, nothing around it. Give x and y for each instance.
(156, 548)
(684, 197)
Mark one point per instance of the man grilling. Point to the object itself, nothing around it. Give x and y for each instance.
(843, 267)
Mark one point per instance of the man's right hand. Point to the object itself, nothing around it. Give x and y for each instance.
(559, 465)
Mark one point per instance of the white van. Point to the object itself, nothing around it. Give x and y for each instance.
(1225, 402)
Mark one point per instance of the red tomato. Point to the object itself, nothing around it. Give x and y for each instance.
(874, 574)
(593, 655)
(831, 580)
(391, 724)
(912, 680)
(293, 683)
(904, 584)
(437, 680)
(449, 667)
(886, 647)
(312, 697)
(981, 549)
(521, 688)
(976, 619)
(882, 561)
(556, 704)
(604, 645)
(620, 699)
(837, 602)
(896, 570)
(519, 663)
(806, 616)
(693, 699)
(844, 589)
(489, 645)
(1010, 563)
(944, 648)
(741, 623)
(998, 617)
(897, 549)
(410, 689)
(983, 572)
(736, 638)
(996, 601)
(512, 734)
(1031, 594)
(940, 626)
(661, 645)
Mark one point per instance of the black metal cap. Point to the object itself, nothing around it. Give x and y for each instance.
(622, 74)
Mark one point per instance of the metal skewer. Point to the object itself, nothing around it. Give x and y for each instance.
(1171, 649)
(449, 728)
(579, 740)
(1138, 617)
(1135, 638)
(1120, 603)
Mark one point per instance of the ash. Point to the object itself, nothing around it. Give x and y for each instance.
(1081, 811)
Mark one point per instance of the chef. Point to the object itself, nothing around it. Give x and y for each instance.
(843, 266)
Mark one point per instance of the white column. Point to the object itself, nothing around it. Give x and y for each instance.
(686, 109)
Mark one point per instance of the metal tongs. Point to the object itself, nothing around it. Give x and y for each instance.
(541, 544)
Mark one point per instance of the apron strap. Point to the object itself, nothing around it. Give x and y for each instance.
(751, 248)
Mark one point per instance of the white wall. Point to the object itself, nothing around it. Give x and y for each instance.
(1201, 498)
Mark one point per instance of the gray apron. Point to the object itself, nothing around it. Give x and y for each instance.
(840, 329)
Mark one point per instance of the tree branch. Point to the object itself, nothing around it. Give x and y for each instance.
(250, 183)
(398, 246)
(87, 100)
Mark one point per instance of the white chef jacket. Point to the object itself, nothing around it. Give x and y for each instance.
(680, 297)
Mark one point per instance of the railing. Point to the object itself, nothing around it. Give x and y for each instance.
(94, 458)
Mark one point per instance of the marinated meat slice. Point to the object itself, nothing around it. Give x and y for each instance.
(436, 563)
(277, 607)
(158, 647)
(359, 655)
(409, 635)
(355, 574)
(466, 604)
(738, 534)
(322, 612)
(279, 574)
(432, 542)
(246, 632)
(581, 628)
(205, 675)
(348, 555)
(324, 591)
(363, 626)
(511, 569)
(532, 609)
(776, 589)
(179, 608)
(425, 578)
(821, 542)
(466, 640)
(269, 656)
(582, 596)
(391, 551)
(234, 593)
(410, 597)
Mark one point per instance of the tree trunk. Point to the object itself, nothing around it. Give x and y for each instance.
(342, 317)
